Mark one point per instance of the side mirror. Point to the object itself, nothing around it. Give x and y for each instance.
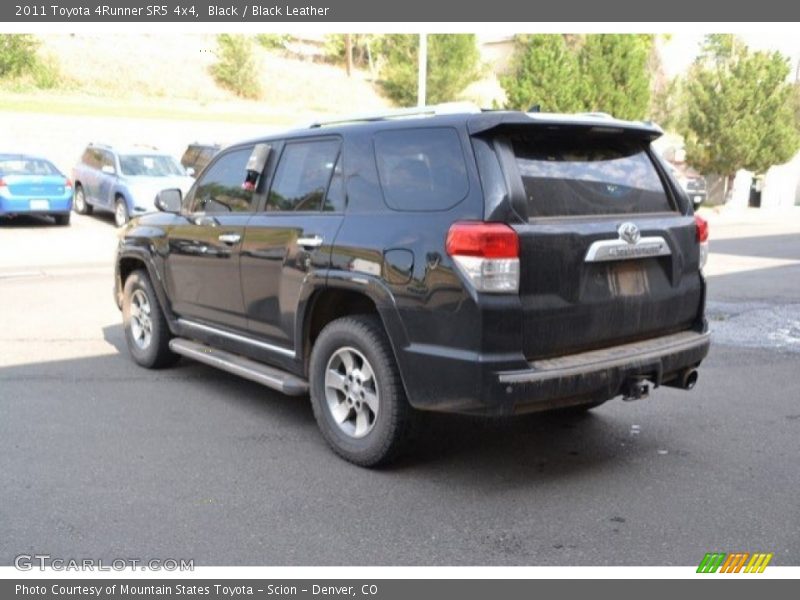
(108, 170)
(169, 200)
(258, 158)
(190, 171)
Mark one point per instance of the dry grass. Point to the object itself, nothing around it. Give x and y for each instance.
(171, 73)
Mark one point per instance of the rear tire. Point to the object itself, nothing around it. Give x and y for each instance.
(81, 206)
(356, 392)
(61, 219)
(146, 329)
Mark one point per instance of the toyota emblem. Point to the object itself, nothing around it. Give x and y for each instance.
(629, 233)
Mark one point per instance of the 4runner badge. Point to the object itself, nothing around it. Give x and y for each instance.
(629, 232)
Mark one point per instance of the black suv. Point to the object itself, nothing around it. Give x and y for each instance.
(197, 156)
(484, 262)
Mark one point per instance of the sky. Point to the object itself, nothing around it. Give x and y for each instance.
(682, 48)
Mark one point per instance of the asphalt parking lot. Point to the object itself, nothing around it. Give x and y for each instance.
(101, 459)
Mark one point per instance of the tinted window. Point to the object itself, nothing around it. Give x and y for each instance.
(565, 176)
(27, 166)
(190, 156)
(107, 159)
(92, 158)
(220, 189)
(421, 169)
(303, 174)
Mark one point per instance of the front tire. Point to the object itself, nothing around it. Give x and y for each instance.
(121, 215)
(146, 329)
(356, 392)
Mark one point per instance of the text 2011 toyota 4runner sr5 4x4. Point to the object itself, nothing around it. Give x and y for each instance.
(475, 262)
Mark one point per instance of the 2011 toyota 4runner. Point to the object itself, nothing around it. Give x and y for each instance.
(483, 262)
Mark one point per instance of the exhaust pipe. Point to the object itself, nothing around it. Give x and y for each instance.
(686, 380)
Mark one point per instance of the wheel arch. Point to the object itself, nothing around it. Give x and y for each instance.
(132, 260)
(347, 294)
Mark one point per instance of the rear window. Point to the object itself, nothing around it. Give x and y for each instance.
(569, 176)
(421, 169)
(27, 166)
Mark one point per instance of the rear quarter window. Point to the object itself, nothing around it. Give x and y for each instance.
(575, 176)
(421, 169)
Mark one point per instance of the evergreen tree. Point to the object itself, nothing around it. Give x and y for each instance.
(615, 74)
(544, 72)
(740, 113)
(453, 63)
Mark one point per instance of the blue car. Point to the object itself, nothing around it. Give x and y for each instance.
(125, 181)
(32, 185)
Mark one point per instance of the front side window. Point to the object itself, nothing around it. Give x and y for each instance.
(107, 160)
(221, 189)
(303, 174)
(421, 169)
(577, 175)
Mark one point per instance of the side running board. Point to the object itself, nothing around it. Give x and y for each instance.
(271, 377)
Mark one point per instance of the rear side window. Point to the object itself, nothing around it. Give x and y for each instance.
(572, 176)
(421, 169)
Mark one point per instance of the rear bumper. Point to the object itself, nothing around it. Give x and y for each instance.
(22, 205)
(476, 385)
(600, 374)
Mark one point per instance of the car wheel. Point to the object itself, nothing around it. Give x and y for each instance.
(146, 329)
(356, 392)
(81, 206)
(120, 211)
(62, 219)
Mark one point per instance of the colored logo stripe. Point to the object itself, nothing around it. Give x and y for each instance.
(734, 563)
(758, 563)
(711, 562)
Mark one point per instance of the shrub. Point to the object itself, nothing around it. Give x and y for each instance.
(47, 74)
(272, 41)
(236, 68)
(17, 54)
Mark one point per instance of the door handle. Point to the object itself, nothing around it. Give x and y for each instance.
(313, 241)
(229, 238)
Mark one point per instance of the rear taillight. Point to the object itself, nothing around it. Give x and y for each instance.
(701, 229)
(2, 183)
(487, 254)
(67, 183)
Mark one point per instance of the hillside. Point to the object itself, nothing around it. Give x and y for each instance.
(168, 76)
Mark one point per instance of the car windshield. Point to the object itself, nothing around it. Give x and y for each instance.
(27, 166)
(149, 165)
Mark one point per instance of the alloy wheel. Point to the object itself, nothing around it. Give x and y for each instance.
(351, 392)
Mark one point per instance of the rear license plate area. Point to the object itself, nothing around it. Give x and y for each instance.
(40, 204)
(628, 278)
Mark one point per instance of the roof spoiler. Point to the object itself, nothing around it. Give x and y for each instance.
(591, 122)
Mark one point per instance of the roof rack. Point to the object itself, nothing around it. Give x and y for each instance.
(448, 108)
(599, 115)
